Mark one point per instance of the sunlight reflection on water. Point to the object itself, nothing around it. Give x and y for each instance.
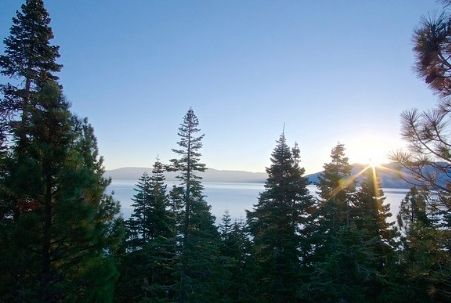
(234, 197)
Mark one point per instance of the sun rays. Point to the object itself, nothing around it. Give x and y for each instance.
(346, 182)
(375, 168)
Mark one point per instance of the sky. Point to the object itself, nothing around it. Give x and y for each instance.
(329, 71)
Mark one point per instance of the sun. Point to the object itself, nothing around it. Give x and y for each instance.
(374, 162)
(369, 149)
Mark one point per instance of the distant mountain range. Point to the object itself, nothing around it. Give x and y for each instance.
(389, 177)
(210, 175)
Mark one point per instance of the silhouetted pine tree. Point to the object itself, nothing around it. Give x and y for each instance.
(148, 264)
(336, 194)
(343, 272)
(413, 209)
(339, 265)
(63, 229)
(238, 281)
(199, 245)
(371, 215)
(29, 59)
(425, 267)
(275, 224)
(138, 226)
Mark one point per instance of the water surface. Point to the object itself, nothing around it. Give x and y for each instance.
(233, 197)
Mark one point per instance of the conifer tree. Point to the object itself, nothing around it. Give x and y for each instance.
(63, 229)
(139, 224)
(275, 224)
(340, 261)
(426, 241)
(413, 209)
(344, 272)
(371, 216)
(176, 197)
(199, 268)
(427, 161)
(149, 262)
(151, 216)
(29, 59)
(237, 283)
(59, 226)
(425, 267)
(333, 208)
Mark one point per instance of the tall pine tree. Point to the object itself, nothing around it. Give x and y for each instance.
(59, 226)
(29, 59)
(336, 193)
(413, 210)
(199, 245)
(425, 267)
(340, 264)
(371, 216)
(148, 264)
(275, 224)
(238, 280)
(62, 230)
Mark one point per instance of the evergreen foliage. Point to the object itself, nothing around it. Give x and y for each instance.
(425, 214)
(336, 194)
(344, 272)
(413, 209)
(29, 59)
(339, 262)
(371, 215)
(238, 283)
(62, 238)
(151, 217)
(199, 269)
(65, 224)
(148, 262)
(276, 226)
(425, 262)
(59, 231)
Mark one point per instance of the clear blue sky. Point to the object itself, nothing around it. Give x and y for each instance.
(330, 70)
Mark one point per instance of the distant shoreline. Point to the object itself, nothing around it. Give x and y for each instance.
(388, 179)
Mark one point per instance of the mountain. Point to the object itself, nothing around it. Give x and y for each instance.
(210, 175)
(388, 175)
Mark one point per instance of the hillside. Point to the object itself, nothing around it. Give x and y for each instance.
(210, 175)
(389, 178)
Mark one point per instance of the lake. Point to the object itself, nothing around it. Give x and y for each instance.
(233, 197)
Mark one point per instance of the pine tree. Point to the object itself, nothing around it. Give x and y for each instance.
(199, 236)
(148, 264)
(413, 209)
(425, 267)
(336, 194)
(275, 224)
(344, 273)
(63, 230)
(139, 224)
(339, 265)
(29, 59)
(151, 217)
(237, 283)
(427, 241)
(371, 216)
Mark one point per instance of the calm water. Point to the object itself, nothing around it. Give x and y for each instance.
(234, 197)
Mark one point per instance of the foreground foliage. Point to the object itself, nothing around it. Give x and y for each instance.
(62, 238)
